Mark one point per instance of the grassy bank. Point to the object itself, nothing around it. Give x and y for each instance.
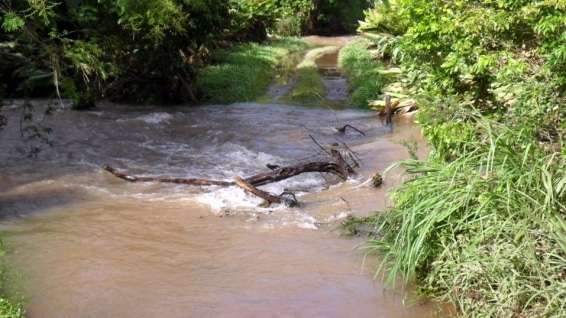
(309, 88)
(243, 72)
(481, 223)
(9, 308)
(362, 68)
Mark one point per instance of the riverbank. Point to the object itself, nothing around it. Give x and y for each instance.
(287, 66)
(244, 72)
(481, 223)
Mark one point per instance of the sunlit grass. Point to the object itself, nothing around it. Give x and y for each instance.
(9, 308)
(244, 72)
(309, 87)
(363, 72)
(485, 231)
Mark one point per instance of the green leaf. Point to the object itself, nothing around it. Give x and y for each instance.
(12, 22)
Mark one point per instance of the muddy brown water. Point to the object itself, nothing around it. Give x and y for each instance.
(89, 245)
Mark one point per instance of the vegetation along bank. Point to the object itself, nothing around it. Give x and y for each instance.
(481, 222)
(149, 51)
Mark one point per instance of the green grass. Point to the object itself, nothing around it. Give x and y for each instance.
(9, 307)
(243, 72)
(363, 70)
(10, 310)
(309, 87)
(485, 231)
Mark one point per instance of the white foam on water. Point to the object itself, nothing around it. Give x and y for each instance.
(304, 221)
(337, 217)
(152, 118)
(156, 118)
(229, 197)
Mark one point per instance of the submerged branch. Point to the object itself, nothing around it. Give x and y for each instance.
(275, 175)
(189, 181)
(343, 129)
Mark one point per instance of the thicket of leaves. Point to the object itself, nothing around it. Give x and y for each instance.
(133, 50)
(504, 58)
(127, 49)
(482, 222)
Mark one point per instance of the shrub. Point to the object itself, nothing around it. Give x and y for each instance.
(481, 224)
(362, 69)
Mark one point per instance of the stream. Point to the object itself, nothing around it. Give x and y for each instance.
(87, 244)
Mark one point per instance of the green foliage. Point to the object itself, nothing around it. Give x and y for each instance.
(129, 50)
(484, 231)
(9, 310)
(244, 72)
(363, 71)
(12, 22)
(150, 18)
(8, 307)
(293, 16)
(139, 51)
(465, 48)
(331, 17)
(384, 18)
(482, 223)
(309, 88)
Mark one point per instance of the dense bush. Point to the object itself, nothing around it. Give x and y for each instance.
(363, 71)
(139, 51)
(482, 223)
(127, 50)
(332, 17)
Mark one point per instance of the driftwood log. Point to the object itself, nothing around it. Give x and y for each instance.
(257, 180)
(190, 181)
(268, 197)
(338, 166)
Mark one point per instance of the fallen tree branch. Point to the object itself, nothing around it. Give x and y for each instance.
(319, 145)
(283, 173)
(286, 197)
(345, 168)
(343, 129)
(268, 197)
(338, 166)
(257, 180)
(190, 181)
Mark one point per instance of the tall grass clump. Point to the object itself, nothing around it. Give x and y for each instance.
(486, 231)
(244, 72)
(362, 69)
(481, 223)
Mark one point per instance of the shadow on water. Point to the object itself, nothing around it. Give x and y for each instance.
(13, 205)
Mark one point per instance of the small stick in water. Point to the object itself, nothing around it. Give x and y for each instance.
(343, 129)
